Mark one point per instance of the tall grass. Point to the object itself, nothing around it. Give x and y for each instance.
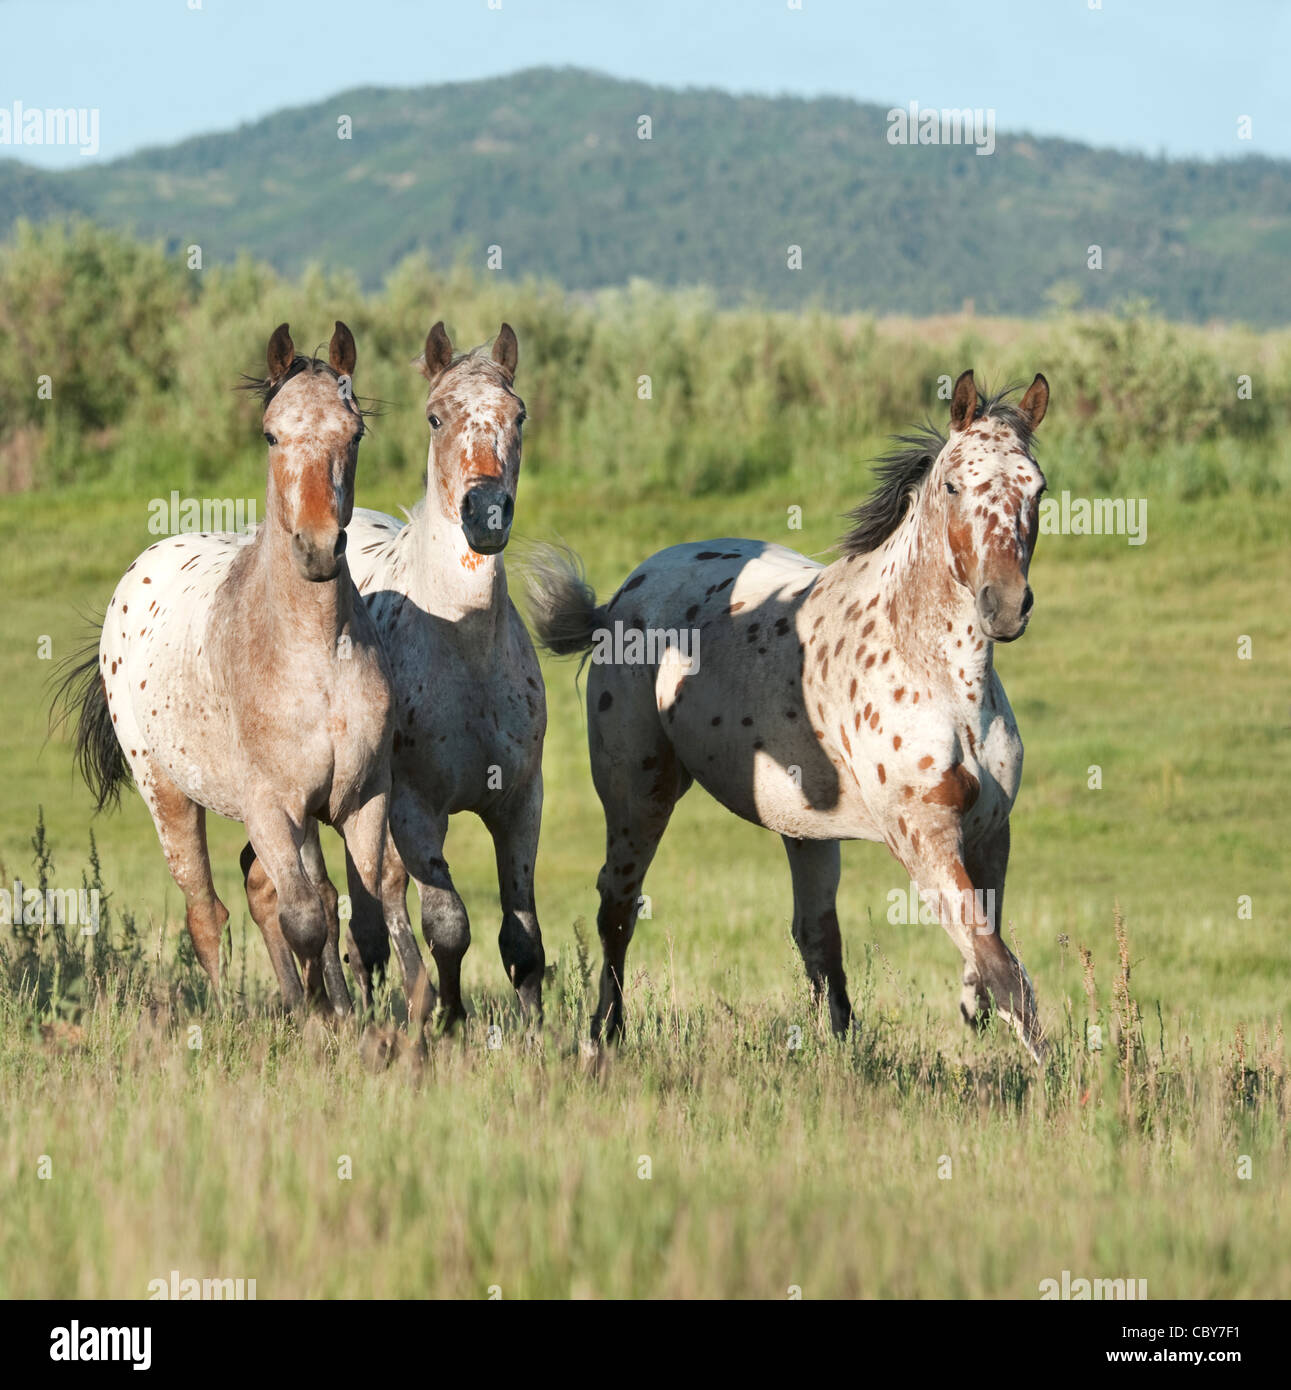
(142, 355)
(729, 1149)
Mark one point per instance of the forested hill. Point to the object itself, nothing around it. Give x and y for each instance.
(548, 166)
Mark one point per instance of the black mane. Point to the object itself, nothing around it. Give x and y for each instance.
(267, 387)
(900, 473)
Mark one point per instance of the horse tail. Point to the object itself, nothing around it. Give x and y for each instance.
(562, 604)
(81, 695)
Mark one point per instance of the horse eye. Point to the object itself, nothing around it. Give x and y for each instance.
(521, 418)
(952, 489)
(270, 438)
(434, 421)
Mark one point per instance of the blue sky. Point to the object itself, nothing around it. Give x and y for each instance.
(1167, 76)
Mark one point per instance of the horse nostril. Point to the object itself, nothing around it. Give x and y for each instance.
(468, 506)
(988, 603)
(508, 510)
(1027, 600)
(339, 548)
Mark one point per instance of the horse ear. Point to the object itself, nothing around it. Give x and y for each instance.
(506, 351)
(281, 354)
(438, 355)
(1036, 401)
(963, 403)
(342, 353)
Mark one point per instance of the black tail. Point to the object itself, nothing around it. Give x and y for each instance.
(99, 755)
(562, 605)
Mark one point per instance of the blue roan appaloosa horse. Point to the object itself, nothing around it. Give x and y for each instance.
(244, 676)
(470, 709)
(854, 701)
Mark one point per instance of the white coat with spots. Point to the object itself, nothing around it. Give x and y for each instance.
(242, 675)
(853, 701)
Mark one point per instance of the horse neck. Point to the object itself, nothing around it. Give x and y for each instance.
(932, 615)
(453, 581)
(306, 614)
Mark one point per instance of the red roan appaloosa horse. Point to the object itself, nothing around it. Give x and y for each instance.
(470, 710)
(854, 701)
(244, 676)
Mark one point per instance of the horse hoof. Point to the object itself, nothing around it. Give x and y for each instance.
(412, 1054)
(377, 1047)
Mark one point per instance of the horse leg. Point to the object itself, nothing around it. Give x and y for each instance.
(997, 979)
(514, 829)
(278, 841)
(368, 948)
(444, 923)
(638, 785)
(263, 902)
(181, 828)
(418, 991)
(367, 941)
(324, 978)
(262, 899)
(814, 865)
(991, 972)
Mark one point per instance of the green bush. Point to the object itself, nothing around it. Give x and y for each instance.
(144, 356)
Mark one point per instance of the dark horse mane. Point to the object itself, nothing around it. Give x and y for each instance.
(900, 473)
(268, 387)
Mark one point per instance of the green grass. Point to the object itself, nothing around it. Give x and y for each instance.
(518, 1166)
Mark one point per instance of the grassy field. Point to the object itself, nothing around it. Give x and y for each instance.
(709, 1158)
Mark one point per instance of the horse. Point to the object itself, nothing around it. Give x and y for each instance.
(242, 675)
(470, 706)
(851, 701)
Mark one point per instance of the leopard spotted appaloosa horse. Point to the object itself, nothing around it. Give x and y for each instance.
(470, 708)
(244, 676)
(851, 701)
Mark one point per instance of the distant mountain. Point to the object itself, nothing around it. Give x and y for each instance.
(548, 165)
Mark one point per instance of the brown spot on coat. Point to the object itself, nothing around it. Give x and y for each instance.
(958, 789)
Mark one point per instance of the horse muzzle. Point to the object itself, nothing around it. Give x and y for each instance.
(487, 511)
(1004, 614)
(318, 561)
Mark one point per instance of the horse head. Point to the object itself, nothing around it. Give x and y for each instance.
(985, 487)
(312, 426)
(475, 419)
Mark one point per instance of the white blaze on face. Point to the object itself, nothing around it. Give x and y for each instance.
(479, 435)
